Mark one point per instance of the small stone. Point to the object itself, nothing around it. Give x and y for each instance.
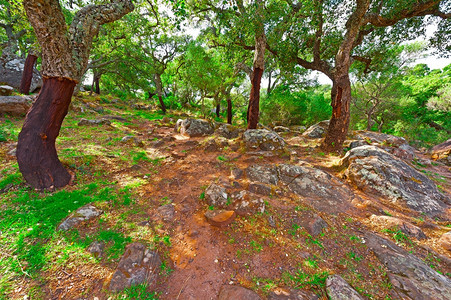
(237, 173)
(260, 189)
(216, 195)
(178, 154)
(97, 248)
(338, 289)
(82, 214)
(166, 212)
(220, 218)
(86, 122)
(6, 90)
(445, 241)
(315, 226)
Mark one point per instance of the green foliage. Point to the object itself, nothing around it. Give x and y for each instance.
(117, 243)
(301, 280)
(138, 292)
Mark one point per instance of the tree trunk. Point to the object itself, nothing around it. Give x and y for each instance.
(97, 84)
(254, 101)
(339, 123)
(229, 109)
(36, 152)
(27, 74)
(159, 90)
(218, 109)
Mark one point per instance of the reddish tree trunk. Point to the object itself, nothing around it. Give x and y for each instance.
(97, 83)
(229, 110)
(339, 123)
(163, 106)
(254, 100)
(27, 74)
(36, 152)
(218, 109)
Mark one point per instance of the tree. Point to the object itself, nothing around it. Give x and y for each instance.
(65, 53)
(317, 40)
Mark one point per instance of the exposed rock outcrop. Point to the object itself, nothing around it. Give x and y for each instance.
(317, 130)
(15, 105)
(11, 74)
(338, 289)
(374, 170)
(194, 127)
(263, 140)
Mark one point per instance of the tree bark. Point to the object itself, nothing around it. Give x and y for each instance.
(97, 83)
(36, 152)
(339, 123)
(218, 109)
(65, 54)
(254, 101)
(27, 74)
(159, 90)
(229, 109)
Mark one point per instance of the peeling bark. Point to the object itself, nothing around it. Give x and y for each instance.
(159, 90)
(64, 59)
(27, 75)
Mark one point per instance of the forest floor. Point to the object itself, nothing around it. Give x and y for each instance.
(267, 252)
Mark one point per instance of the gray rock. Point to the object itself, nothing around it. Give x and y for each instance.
(375, 170)
(129, 139)
(409, 275)
(281, 129)
(381, 138)
(237, 173)
(97, 248)
(138, 265)
(194, 127)
(15, 105)
(228, 131)
(215, 144)
(258, 188)
(358, 143)
(11, 74)
(86, 122)
(299, 129)
(315, 225)
(319, 188)
(216, 195)
(166, 212)
(6, 90)
(391, 222)
(117, 118)
(234, 292)
(338, 289)
(263, 140)
(82, 214)
(245, 203)
(318, 130)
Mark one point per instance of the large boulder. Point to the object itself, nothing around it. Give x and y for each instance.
(381, 138)
(11, 74)
(322, 190)
(228, 131)
(82, 214)
(374, 170)
(138, 265)
(442, 152)
(318, 130)
(194, 127)
(410, 276)
(15, 105)
(263, 140)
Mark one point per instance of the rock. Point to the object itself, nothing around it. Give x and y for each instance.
(338, 289)
(228, 131)
(374, 170)
(408, 274)
(358, 143)
(390, 222)
(442, 152)
(445, 241)
(299, 129)
(318, 130)
(97, 248)
(281, 129)
(381, 138)
(263, 140)
(234, 292)
(216, 196)
(138, 265)
(15, 105)
(237, 173)
(129, 139)
(315, 225)
(258, 188)
(166, 212)
(245, 203)
(117, 118)
(102, 121)
(178, 154)
(82, 214)
(402, 154)
(11, 74)
(194, 127)
(220, 218)
(280, 294)
(215, 144)
(263, 173)
(317, 187)
(6, 90)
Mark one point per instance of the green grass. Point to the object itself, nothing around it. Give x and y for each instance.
(137, 292)
(116, 241)
(302, 280)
